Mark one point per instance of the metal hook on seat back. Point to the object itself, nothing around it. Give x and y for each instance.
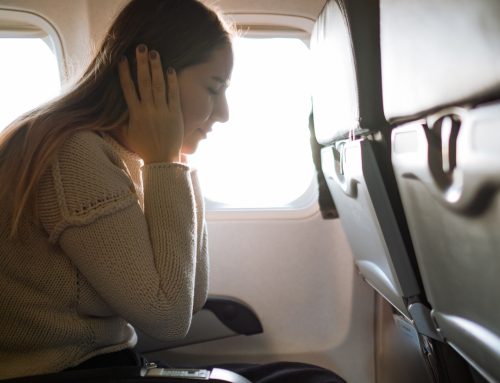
(457, 157)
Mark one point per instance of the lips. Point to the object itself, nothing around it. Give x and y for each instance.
(204, 132)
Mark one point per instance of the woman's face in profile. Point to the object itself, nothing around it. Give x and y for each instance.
(203, 96)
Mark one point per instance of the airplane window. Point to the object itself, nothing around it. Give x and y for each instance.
(29, 75)
(261, 158)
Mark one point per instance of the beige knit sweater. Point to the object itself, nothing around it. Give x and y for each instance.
(120, 247)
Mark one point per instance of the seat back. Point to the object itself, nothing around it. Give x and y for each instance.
(350, 125)
(441, 87)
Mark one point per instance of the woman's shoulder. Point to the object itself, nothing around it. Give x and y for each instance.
(86, 158)
(88, 136)
(89, 149)
(84, 142)
(86, 180)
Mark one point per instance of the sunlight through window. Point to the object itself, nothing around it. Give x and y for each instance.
(29, 76)
(261, 158)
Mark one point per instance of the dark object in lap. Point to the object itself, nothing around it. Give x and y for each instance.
(283, 372)
(279, 372)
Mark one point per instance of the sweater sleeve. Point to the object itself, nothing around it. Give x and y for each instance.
(202, 259)
(141, 263)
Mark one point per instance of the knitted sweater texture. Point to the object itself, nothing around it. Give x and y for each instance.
(120, 246)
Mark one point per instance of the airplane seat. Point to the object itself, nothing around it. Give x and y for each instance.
(441, 92)
(350, 125)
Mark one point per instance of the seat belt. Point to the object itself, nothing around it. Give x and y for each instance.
(148, 374)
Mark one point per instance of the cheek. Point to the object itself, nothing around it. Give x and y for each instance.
(196, 108)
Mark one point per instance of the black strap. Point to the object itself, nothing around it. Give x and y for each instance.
(325, 200)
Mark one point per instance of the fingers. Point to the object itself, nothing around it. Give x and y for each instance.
(155, 124)
(126, 83)
(157, 78)
(150, 81)
(174, 100)
(143, 74)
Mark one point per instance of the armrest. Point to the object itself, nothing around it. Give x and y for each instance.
(235, 314)
(221, 317)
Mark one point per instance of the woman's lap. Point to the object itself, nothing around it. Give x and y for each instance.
(279, 372)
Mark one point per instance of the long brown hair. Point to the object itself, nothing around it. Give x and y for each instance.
(184, 32)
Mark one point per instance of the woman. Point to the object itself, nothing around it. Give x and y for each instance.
(102, 226)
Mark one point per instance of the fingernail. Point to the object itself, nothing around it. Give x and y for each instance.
(122, 59)
(152, 54)
(142, 48)
(170, 70)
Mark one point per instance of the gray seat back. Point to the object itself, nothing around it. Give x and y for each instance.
(441, 86)
(349, 123)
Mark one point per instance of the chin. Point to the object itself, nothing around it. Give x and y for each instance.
(189, 148)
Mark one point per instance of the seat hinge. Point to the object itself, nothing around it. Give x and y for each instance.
(424, 323)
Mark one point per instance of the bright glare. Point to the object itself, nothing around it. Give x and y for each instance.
(29, 76)
(261, 158)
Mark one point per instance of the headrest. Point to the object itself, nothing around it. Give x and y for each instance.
(438, 53)
(347, 90)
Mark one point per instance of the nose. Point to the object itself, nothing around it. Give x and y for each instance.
(221, 109)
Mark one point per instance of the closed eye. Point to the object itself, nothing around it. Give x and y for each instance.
(212, 91)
